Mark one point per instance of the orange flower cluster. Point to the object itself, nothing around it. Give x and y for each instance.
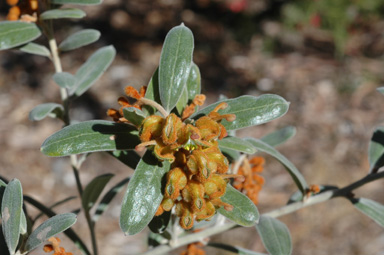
(196, 180)
(133, 94)
(27, 10)
(55, 246)
(253, 182)
(194, 249)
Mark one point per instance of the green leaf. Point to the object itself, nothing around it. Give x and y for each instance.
(237, 144)
(371, 208)
(64, 80)
(127, 157)
(81, 2)
(244, 210)
(175, 64)
(153, 88)
(234, 249)
(183, 101)
(134, 115)
(104, 203)
(292, 170)
(48, 109)
(280, 136)
(90, 136)
(231, 155)
(381, 90)
(376, 150)
(143, 195)
(69, 232)
(275, 236)
(15, 33)
(11, 209)
(23, 223)
(49, 228)
(193, 82)
(92, 69)
(160, 223)
(37, 49)
(79, 39)
(93, 190)
(249, 110)
(70, 13)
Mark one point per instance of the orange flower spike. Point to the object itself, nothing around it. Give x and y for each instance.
(199, 99)
(167, 204)
(13, 13)
(132, 92)
(162, 151)
(257, 160)
(209, 128)
(215, 187)
(142, 91)
(34, 5)
(194, 193)
(186, 216)
(176, 181)
(171, 129)
(207, 213)
(190, 109)
(12, 2)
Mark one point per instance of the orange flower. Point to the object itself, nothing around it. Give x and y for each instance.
(253, 182)
(25, 10)
(194, 249)
(55, 246)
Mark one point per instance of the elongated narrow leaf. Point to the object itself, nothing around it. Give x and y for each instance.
(69, 232)
(90, 136)
(65, 80)
(275, 236)
(92, 69)
(81, 2)
(234, 249)
(71, 13)
(11, 210)
(127, 157)
(183, 101)
(104, 203)
(371, 208)
(51, 227)
(292, 170)
(16, 33)
(376, 150)
(280, 136)
(193, 82)
(93, 190)
(44, 110)
(249, 110)
(160, 223)
(152, 91)
(244, 211)
(79, 39)
(143, 195)
(134, 115)
(175, 64)
(237, 144)
(37, 49)
(23, 223)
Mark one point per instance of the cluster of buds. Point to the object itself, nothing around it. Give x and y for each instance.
(197, 179)
(253, 182)
(55, 247)
(23, 10)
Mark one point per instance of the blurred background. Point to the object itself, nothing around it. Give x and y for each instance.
(323, 56)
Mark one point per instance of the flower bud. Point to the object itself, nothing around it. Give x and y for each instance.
(171, 129)
(151, 128)
(176, 181)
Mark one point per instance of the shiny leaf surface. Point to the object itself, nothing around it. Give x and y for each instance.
(143, 194)
(175, 64)
(134, 115)
(183, 101)
(79, 39)
(371, 208)
(16, 33)
(70, 13)
(90, 136)
(292, 170)
(92, 69)
(41, 111)
(49, 228)
(237, 144)
(11, 210)
(244, 210)
(37, 49)
(193, 82)
(275, 236)
(93, 190)
(249, 110)
(280, 136)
